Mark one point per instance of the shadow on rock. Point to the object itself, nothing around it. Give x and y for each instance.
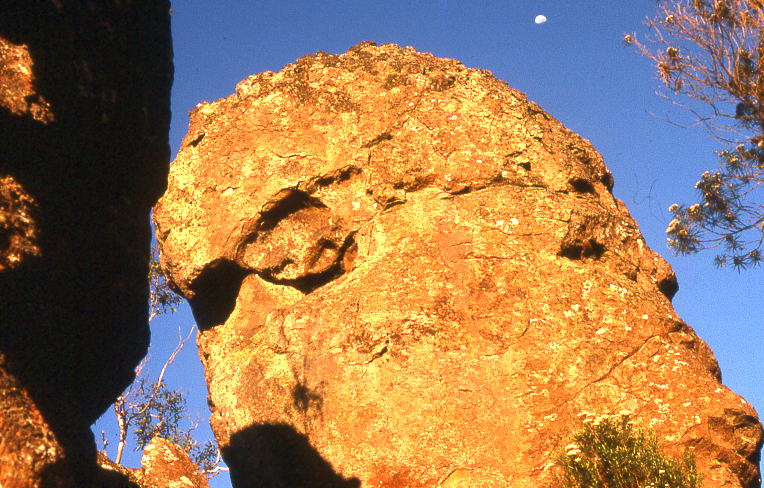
(277, 456)
(57, 475)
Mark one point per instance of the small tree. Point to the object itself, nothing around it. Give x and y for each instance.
(609, 453)
(149, 408)
(711, 51)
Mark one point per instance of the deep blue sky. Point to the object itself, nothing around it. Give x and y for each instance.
(575, 66)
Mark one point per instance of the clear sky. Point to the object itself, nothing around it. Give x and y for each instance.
(574, 65)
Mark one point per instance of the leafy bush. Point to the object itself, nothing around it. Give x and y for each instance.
(609, 453)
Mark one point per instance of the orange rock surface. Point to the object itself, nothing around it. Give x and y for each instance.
(408, 275)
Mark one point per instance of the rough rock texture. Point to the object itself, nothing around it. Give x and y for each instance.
(408, 275)
(166, 465)
(84, 115)
(28, 447)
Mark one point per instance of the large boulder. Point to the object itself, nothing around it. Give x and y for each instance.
(84, 117)
(408, 275)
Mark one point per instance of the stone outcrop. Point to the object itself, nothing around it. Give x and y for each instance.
(84, 117)
(28, 447)
(408, 275)
(164, 464)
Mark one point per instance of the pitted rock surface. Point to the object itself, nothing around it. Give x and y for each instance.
(166, 465)
(407, 274)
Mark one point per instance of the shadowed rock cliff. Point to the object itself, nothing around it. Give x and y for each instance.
(84, 115)
(403, 267)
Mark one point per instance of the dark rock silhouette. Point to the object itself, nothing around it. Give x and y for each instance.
(84, 116)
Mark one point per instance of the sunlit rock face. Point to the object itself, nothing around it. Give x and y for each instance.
(166, 464)
(408, 275)
(84, 116)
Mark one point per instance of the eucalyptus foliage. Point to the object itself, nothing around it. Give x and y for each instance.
(709, 55)
(161, 297)
(148, 407)
(160, 411)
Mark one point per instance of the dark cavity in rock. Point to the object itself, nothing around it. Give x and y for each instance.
(215, 291)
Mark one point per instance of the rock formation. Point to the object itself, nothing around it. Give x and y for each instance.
(84, 116)
(164, 464)
(408, 275)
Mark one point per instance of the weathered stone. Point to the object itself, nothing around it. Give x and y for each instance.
(84, 116)
(29, 451)
(166, 465)
(407, 275)
(18, 229)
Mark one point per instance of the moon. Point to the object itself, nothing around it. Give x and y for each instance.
(540, 19)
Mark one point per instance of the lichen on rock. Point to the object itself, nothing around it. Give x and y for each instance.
(406, 273)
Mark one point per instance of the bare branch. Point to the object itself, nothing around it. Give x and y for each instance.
(212, 472)
(709, 54)
(147, 407)
(178, 347)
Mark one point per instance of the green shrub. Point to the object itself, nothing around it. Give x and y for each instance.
(609, 453)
